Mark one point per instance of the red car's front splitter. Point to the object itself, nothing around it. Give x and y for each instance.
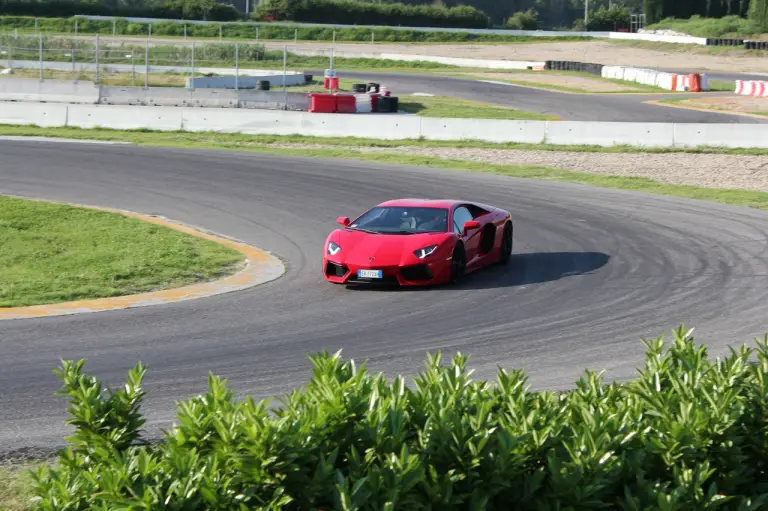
(411, 275)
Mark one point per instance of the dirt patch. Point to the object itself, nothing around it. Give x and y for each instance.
(599, 52)
(573, 82)
(706, 170)
(743, 104)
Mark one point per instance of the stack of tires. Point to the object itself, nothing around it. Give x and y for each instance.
(569, 65)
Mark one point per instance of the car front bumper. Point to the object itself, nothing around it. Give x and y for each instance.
(418, 274)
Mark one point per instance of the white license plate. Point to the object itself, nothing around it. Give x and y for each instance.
(370, 274)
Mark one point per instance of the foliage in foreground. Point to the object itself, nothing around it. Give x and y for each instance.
(687, 433)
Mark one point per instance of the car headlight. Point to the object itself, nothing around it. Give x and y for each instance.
(333, 248)
(424, 252)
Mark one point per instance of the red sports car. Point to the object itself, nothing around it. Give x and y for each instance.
(417, 242)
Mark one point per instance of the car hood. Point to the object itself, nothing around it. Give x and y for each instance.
(387, 249)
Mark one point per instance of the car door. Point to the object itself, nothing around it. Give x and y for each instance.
(472, 238)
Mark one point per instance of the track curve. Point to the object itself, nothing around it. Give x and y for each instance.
(593, 271)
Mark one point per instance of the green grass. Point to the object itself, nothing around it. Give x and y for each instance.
(267, 31)
(728, 27)
(693, 49)
(264, 144)
(15, 489)
(54, 253)
(439, 106)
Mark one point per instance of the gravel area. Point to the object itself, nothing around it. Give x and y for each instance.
(707, 170)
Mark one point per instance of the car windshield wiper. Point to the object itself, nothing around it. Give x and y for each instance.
(361, 229)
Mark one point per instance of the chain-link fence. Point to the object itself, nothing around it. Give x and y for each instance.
(148, 63)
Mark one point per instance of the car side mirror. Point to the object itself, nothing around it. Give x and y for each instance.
(471, 224)
(343, 220)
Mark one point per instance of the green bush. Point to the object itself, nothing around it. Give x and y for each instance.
(688, 433)
(524, 20)
(608, 19)
(697, 26)
(758, 14)
(352, 12)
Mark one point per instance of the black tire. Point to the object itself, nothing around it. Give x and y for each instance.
(506, 244)
(458, 264)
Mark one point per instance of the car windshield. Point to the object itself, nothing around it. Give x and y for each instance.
(402, 220)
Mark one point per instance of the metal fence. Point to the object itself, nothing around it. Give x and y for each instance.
(152, 63)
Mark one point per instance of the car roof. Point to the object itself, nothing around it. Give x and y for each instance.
(423, 203)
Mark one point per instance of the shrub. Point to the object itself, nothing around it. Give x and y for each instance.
(758, 14)
(608, 19)
(687, 433)
(351, 12)
(526, 20)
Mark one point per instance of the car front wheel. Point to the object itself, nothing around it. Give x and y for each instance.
(458, 264)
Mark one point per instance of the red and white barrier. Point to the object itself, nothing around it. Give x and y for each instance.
(363, 103)
(758, 88)
(668, 81)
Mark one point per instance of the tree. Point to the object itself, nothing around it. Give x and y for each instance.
(758, 13)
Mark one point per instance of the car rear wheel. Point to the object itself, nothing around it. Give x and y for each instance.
(506, 244)
(458, 264)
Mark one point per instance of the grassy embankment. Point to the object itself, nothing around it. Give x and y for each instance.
(54, 253)
(345, 148)
(273, 32)
(728, 27)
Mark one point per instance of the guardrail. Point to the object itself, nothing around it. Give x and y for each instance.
(489, 31)
(386, 126)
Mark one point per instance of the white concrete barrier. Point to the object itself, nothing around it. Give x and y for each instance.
(126, 117)
(244, 82)
(608, 134)
(487, 130)
(385, 126)
(45, 115)
(32, 89)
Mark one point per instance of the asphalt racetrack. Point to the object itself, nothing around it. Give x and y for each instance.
(593, 271)
(568, 107)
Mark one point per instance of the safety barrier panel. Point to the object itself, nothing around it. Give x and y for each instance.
(694, 82)
(387, 127)
(757, 88)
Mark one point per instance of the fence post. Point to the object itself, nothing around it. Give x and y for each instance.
(192, 83)
(146, 65)
(285, 88)
(237, 67)
(97, 59)
(220, 32)
(36, 26)
(74, 70)
(10, 57)
(185, 31)
(114, 27)
(257, 33)
(40, 38)
(75, 27)
(296, 36)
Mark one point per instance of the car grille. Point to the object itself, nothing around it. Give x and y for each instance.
(335, 270)
(416, 273)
